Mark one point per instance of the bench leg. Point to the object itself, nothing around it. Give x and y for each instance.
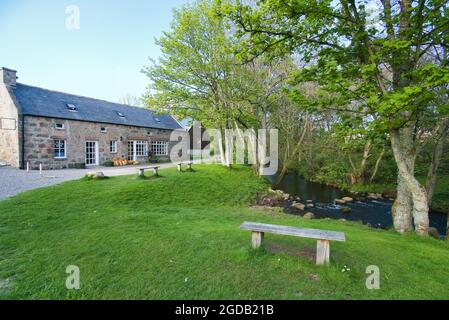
(322, 252)
(179, 167)
(141, 173)
(190, 167)
(156, 173)
(256, 239)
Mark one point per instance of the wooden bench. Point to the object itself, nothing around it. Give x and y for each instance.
(323, 237)
(189, 164)
(154, 168)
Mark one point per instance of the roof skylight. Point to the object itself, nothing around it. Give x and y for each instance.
(121, 115)
(72, 107)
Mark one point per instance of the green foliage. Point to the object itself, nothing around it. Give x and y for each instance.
(108, 163)
(332, 173)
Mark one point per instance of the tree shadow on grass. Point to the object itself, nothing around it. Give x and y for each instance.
(307, 253)
(152, 177)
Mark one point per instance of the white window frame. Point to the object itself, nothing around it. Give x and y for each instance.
(113, 146)
(141, 148)
(59, 124)
(159, 148)
(59, 148)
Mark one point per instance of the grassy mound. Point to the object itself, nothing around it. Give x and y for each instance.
(178, 237)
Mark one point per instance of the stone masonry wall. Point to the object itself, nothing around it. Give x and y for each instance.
(9, 129)
(40, 134)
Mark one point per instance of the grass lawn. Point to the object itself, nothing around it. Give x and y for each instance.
(178, 237)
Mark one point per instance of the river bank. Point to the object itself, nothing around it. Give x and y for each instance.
(325, 201)
(440, 201)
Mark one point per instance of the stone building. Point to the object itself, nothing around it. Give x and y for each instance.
(60, 130)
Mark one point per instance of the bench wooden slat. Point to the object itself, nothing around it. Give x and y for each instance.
(292, 231)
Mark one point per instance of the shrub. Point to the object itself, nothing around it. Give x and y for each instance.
(108, 163)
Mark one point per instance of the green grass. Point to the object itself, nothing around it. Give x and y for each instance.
(178, 237)
(374, 188)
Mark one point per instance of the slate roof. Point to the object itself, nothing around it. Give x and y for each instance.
(46, 103)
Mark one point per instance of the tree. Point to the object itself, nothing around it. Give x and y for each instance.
(199, 76)
(368, 60)
(192, 75)
(131, 100)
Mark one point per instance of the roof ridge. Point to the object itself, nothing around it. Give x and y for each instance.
(85, 97)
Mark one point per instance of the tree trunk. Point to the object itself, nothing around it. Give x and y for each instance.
(441, 135)
(221, 143)
(405, 157)
(366, 154)
(287, 157)
(402, 208)
(376, 166)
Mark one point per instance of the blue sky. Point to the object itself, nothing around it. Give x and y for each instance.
(102, 59)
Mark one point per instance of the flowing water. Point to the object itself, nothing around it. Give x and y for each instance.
(376, 213)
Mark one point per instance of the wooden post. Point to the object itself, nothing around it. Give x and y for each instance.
(257, 239)
(322, 252)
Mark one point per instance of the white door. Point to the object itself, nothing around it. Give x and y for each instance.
(91, 153)
(132, 150)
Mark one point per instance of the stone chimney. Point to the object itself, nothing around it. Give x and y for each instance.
(8, 77)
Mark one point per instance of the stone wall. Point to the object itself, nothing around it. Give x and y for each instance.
(9, 128)
(41, 132)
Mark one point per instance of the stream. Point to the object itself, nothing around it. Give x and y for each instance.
(376, 213)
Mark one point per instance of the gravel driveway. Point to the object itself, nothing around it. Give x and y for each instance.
(14, 181)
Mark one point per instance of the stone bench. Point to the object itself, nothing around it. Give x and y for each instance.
(323, 237)
(154, 168)
(188, 163)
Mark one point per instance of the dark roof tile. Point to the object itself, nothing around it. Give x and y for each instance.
(46, 103)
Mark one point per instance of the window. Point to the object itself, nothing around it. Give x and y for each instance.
(59, 126)
(159, 148)
(72, 107)
(141, 148)
(113, 146)
(104, 130)
(59, 148)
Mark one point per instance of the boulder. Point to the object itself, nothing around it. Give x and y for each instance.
(310, 205)
(298, 206)
(433, 232)
(374, 196)
(309, 201)
(342, 220)
(339, 201)
(309, 215)
(95, 175)
(347, 199)
(345, 209)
